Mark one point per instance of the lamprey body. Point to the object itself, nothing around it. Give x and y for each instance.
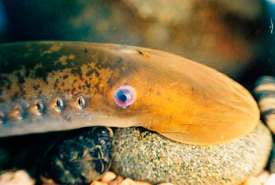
(51, 86)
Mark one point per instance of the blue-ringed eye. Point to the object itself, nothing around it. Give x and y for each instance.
(124, 96)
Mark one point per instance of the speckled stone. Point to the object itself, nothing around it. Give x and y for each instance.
(147, 156)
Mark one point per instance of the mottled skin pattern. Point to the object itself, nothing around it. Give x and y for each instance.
(180, 99)
(28, 72)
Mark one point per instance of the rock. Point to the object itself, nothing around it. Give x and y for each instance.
(226, 35)
(18, 177)
(82, 157)
(147, 156)
(117, 181)
(252, 181)
(98, 183)
(108, 177)
(270, 180)
(263, 176)
(127, 181)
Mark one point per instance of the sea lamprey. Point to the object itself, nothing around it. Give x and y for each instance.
(50, 86)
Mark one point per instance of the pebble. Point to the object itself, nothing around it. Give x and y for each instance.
(127, 181)
(146, 156)
(19, 177)
(252, 181)
(270, 180)
(108, 177)
(117, 181)
(98, 183)
(263, 176)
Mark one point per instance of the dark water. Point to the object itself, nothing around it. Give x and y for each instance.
(2, 18)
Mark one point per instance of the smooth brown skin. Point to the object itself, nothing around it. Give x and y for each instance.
(178, 98)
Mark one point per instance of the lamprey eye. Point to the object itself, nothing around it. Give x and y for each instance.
(80, 102)
(59, 104)
(124, 96)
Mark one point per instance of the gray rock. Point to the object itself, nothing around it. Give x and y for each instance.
(147, 156)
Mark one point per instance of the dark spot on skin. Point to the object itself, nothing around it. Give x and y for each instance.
(78, 72)
(140, 52)
(74, 81)
(120, 60)
(36, 86)
(73, 90)
(109, 81)
(192, 89)
(89, 73)
(143, 54)
(158, 93)
(97, 74)
(205, 95)
(9, 85)
(65, 77)
(15, 96)
(55, 83)
(20, 78)
(96, 86)
(88, 84)
(67, 117)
